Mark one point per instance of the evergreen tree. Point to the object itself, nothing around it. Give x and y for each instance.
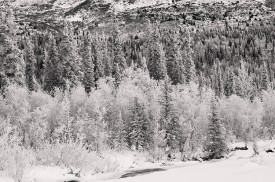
(98, 60)
(264, 77)
(157, 61)
(215, 144)
(119, 133)
(169, 119)
(190, 70)
(140, 131)
(175, 67)
(201, 82)
(243, 81)
(230, 83)
(29, 61)
(107, 61)
(119, 57)
(88, 66)
(219, 90)
(39, 51)
(173, 133)
(11, 60)
(117, 75)
(70, 59)
(143, 63)
(53, 67)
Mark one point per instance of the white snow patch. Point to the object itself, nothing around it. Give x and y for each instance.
(67, 3)
(75, 18)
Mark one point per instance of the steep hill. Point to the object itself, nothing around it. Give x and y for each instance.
(99, 13)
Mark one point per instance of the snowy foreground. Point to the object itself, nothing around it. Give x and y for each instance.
(240, 166)
(233, 170)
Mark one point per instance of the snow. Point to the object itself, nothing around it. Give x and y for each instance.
(255, 169)
(237, 170)
(67, 3)
(75, 18)
(239, 166)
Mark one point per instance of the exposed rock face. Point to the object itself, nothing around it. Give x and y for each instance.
(95, 13)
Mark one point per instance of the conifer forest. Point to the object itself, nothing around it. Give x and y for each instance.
(167, 82)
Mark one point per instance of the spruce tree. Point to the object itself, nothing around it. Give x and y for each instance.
(142, 63)
(230, 83)
(157, 61)
(53, 67)
(70, 59)
(169, 121)
(119, 133)
(106, 60)
(201, 82)
(219, 88)
(190, 70)
(175, 67)
(243, 81)
(88, 65)
(140, 132)
(119, 57)
(215, 144)
(117, 75)
(29, 61)
(98, 59)
(11, 60)
(264, 77)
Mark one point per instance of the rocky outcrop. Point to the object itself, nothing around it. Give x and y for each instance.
(97, 13)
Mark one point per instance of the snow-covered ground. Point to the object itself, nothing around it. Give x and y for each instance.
(240, 166)
(257, 169)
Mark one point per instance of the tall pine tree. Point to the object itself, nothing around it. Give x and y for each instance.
(53, 67)
(219, 88)
(169, 121)
(88, 65)
(230, 83)
(190, 70)
(118, 54)
(175, 66)
(140, 132)
(70, 58)
(99, 69)
(156, 61)
(264, 77)
(215, 144)
(29, 61)
(11, 60)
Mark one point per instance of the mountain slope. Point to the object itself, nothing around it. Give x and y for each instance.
(95, 13)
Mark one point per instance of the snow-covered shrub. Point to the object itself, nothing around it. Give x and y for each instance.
(255, 148)
(106, 162)
(74, 155)
(157, 152)
(241, 117)
(268, 123)
(17, 161)
(14, 158)
(68, 154)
